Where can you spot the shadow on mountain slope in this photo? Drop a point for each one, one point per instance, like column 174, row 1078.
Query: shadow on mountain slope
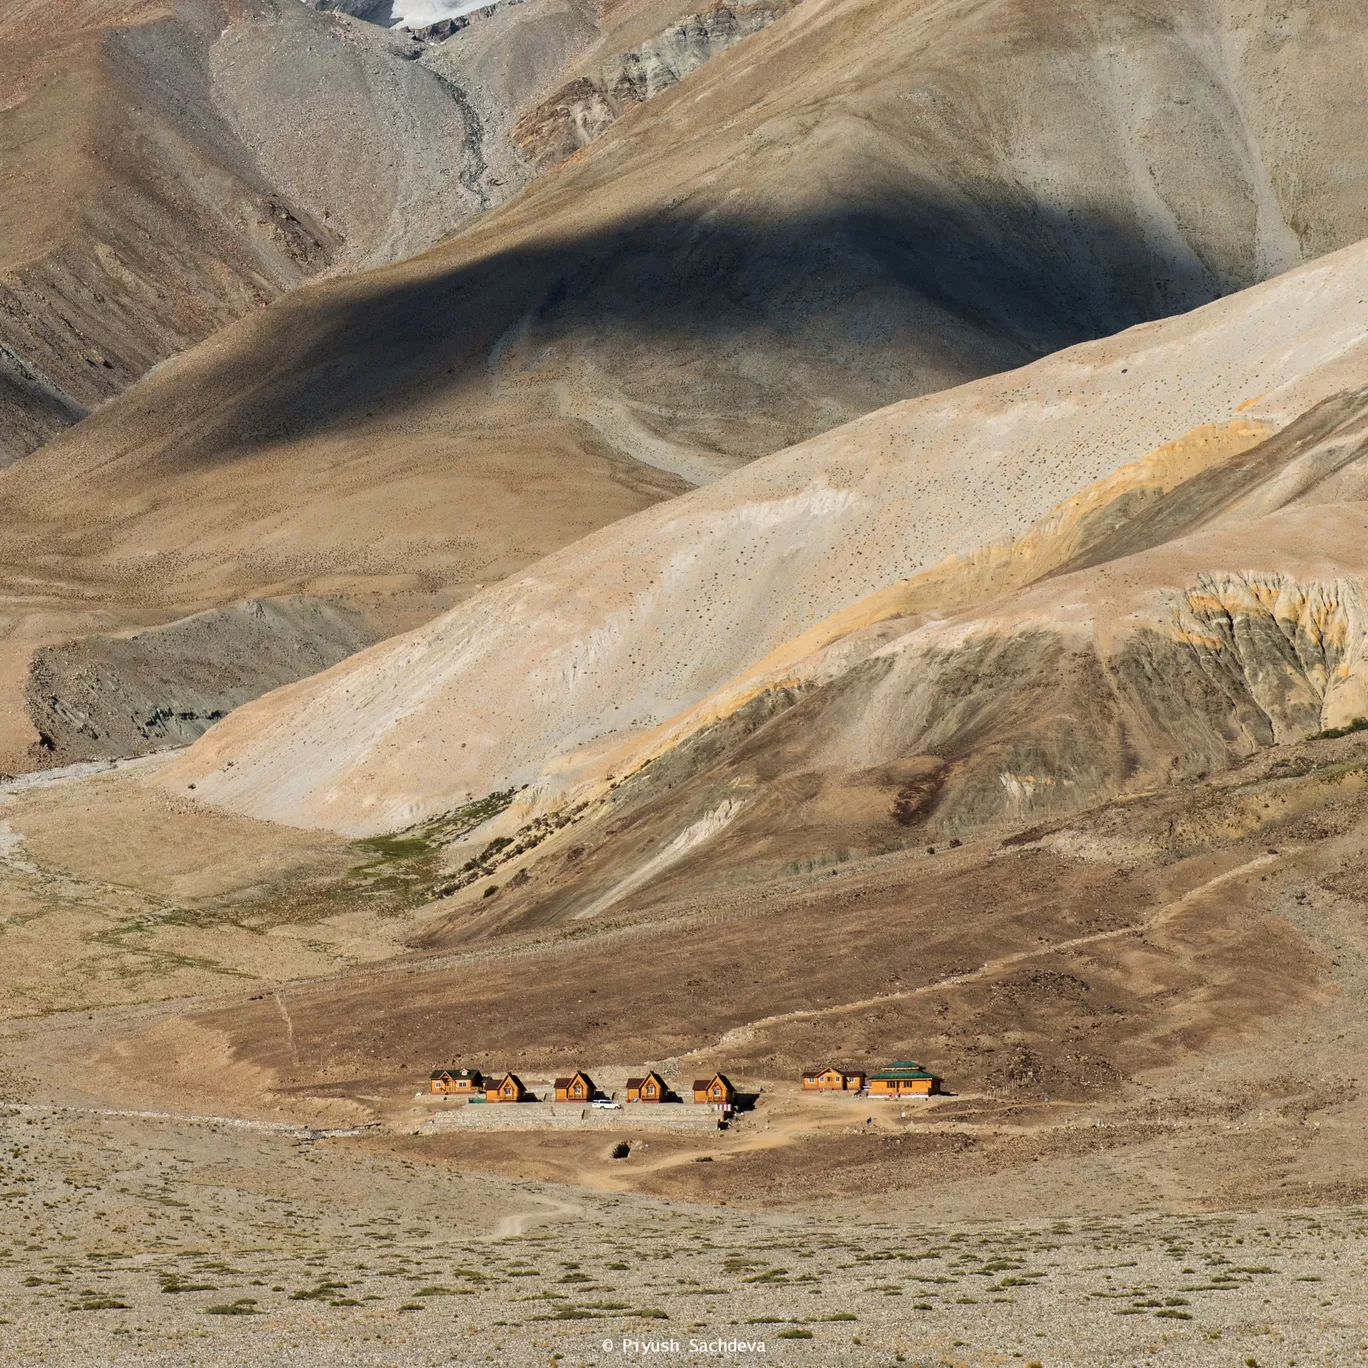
column 836, row 314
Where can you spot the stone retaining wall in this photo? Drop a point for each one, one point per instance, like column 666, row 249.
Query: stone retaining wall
column 562, row 1116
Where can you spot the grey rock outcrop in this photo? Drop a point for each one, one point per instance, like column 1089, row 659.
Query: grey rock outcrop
column 109, row 697
column 375, row 11
column 583, row 108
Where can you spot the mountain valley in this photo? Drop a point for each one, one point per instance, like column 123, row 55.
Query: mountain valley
column 623, row 536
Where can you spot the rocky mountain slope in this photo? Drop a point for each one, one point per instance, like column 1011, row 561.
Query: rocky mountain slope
column 177, row 166
column 858, row 204
column 583, row 108
column 856, row 562
column 854, row 205
column 172, row 167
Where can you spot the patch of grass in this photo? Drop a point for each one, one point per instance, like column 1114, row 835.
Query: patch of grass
column 395, row 847
column 244, row 1306
column 173, row 1282
column 1333, row 733
column 100, row 1304
column 794, row 1334
column 770, row 1275
column 325, row 1291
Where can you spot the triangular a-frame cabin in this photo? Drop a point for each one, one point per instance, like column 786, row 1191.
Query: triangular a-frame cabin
column 651, row 1088
column 716, row 1091
column 579, row 1087
column 509, row 1088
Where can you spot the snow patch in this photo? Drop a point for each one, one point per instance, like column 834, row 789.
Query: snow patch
column 415, row 14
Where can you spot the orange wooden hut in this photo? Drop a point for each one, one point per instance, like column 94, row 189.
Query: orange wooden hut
column 579, row 1087
column 716, row 1091
column 509, row 1088
column 903, row 1078
column 651, row 1088
column 831, row 1078
column 460, row 1082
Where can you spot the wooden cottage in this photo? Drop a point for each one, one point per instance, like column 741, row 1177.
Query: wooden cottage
column 903, row 1078
column 830, row 1078
column 509, row 1088
column 716, row 1091
column 652, row 1088
column 461, row 1082
column 579, row 1087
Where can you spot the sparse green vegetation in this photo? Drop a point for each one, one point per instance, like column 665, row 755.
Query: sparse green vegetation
column 173, row 1282
column 1334, row 733
column 322, row 1292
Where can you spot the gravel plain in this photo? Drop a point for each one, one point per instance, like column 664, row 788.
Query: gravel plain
column 161, row 1241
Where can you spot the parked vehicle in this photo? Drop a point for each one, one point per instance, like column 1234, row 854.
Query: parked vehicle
column 606, row 1104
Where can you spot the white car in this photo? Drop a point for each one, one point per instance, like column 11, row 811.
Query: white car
column 605, row 1104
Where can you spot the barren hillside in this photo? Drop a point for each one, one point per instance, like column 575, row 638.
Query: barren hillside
column 173, row 166
column 860, row 203
column 621, row 647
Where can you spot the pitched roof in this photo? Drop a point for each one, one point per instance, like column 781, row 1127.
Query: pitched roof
column 832, row 1068
column 901, row 1069
column 567, row 1081
column 457, row 1073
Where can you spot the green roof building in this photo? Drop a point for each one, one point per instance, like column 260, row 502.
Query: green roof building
column 903, row 1078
